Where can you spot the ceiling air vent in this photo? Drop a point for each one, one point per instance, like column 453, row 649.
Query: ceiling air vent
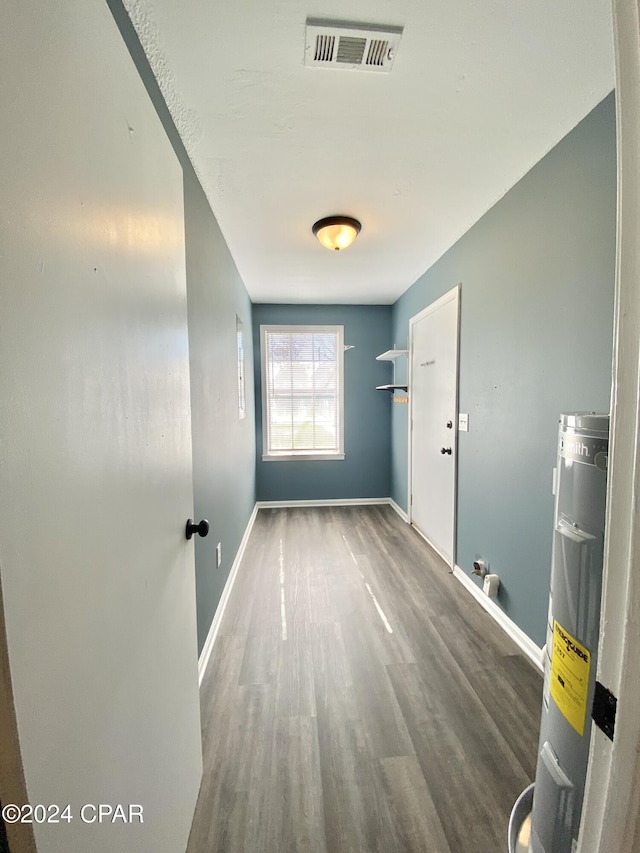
column 355, row 47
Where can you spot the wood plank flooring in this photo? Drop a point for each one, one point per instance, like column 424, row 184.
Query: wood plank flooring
column 324, row 732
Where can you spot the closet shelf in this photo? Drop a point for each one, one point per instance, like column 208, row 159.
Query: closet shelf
column 392, row 354
column 392, row 388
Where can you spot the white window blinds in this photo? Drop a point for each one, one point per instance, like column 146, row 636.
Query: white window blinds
column 302, row 391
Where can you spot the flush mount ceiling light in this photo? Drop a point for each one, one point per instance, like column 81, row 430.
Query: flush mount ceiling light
column 336, row 232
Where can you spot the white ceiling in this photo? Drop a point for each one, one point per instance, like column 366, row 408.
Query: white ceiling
column 480, row 90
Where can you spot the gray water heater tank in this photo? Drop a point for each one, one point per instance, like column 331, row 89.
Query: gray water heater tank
column 572, row 632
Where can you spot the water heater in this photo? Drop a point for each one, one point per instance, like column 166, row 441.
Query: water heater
column 572, row 637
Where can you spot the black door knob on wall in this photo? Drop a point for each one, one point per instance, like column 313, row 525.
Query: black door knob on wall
column 444, row 450
column 201, row 529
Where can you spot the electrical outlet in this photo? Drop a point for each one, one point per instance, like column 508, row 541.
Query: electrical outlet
column 480, row 568
column 218, row 555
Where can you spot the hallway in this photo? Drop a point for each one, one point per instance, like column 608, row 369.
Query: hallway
column 358, row 699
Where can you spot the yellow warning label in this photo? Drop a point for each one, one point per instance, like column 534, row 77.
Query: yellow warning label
column 570, row 664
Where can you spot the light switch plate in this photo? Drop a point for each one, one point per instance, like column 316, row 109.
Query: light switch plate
column 463, row 423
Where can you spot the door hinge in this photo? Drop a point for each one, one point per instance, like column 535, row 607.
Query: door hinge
column 604, row 709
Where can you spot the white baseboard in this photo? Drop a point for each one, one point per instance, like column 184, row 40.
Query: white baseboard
column 224, row 599
column 522, row 640
column 403, row 515
column 329, row 502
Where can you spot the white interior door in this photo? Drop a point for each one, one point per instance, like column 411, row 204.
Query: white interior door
column 97, row 577
column 433, row 422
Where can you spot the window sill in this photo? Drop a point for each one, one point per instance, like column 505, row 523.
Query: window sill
column 302, row 457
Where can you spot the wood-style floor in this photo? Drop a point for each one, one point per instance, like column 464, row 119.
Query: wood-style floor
column 325, row 732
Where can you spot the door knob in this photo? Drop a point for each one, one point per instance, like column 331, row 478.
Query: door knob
column 449, row 424
column 446, row 450
column 201, row 529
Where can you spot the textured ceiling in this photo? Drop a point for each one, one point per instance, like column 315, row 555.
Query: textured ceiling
column 479, row 92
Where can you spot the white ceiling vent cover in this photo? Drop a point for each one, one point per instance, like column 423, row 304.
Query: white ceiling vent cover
column 353, row 47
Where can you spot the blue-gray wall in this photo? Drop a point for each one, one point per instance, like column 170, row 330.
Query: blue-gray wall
column 223, row 445
column 537, row 274
column 365, row 470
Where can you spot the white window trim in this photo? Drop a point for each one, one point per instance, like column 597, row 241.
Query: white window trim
column 302, row 456
column 242, row 381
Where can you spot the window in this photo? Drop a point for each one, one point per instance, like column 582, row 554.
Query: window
column 302, row 392
column 242, row 400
